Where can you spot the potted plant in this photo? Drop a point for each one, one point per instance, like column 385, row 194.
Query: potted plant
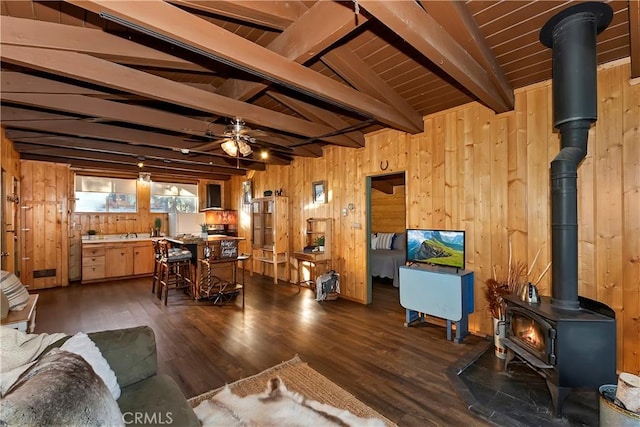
column 320, row 243
column 92, row 234
column 203, row 229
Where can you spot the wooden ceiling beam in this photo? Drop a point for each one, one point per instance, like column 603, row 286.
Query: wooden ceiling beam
column 118, row 158
column 354, row 70
column 14, row 82
column 105, row 73
column 423, row 32
column 456, row 19
column 320, row 27
column 109, row 166
column 228, row 165
column 271, row 14
column 49, row 35
column 634, row 37
column 164, row 20
column 318, row 114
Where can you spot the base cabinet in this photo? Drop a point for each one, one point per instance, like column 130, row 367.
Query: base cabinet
column 105, row 261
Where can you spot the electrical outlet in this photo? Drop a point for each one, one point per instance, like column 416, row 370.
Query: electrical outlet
column 356, row 225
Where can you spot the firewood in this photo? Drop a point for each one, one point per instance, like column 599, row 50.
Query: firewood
column 628, row 391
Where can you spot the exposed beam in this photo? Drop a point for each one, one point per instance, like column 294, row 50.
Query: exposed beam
column 354, row 70
column 423, row 32
column 124, row 159
column 131, row 150
column 271, row 14
column 314, row 31
column 634, row 37
column 105, row 73
column 109, row 166
column 457, row 20
column 31, row 32
column 11, row 81
column 164, row 20
column 319, row 115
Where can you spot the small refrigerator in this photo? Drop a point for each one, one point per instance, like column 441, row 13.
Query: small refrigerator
column 186, row 223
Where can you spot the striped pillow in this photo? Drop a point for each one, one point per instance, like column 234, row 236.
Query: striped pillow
column 384, row 240
column 14, row 290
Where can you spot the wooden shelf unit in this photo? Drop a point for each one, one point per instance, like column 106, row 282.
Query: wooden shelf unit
column 270, row 233
column 315, row 227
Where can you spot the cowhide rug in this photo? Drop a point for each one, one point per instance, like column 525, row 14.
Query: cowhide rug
column 276, row 406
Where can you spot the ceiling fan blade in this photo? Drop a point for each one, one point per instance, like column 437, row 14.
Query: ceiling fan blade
column 209, row 145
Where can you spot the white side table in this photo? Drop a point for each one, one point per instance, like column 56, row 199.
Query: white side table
column 24, row 318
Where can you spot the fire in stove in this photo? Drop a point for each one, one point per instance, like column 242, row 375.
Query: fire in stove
column 529, row 332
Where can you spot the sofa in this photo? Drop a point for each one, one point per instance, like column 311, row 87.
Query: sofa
column 146, row 397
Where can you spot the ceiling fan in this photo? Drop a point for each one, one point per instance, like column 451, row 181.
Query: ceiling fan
column 236, row 140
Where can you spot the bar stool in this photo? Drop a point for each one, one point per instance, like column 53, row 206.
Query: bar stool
column 156, row 268
column 175, row 269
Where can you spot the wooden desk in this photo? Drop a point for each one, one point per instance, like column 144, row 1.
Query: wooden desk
column 315, row 259
column 24, row 318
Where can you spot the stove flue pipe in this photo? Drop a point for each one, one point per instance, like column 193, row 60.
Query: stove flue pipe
column 572, row 36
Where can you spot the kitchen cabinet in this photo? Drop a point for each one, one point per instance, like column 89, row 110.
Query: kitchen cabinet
column 116, row 260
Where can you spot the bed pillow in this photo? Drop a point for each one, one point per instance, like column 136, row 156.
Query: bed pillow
column 400, row 241
column 82, row 345
column 14, row 290
column 374, row 241
column 384, row 240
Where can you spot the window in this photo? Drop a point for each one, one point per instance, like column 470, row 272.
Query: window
column 99, row 194
column 169, row 197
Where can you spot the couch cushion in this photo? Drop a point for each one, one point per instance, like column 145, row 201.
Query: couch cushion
column 156, row 401
column 61, row 389
column 14, row 290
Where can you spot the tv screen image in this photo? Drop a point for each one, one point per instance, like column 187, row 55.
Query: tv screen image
column 439, row 247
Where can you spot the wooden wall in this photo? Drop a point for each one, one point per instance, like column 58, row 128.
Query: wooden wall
column 10, row 166
column 388, row 211
column 489, row 175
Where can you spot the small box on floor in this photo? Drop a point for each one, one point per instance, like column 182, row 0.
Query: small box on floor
column 328, row 286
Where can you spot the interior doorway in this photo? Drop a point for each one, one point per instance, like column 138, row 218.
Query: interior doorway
column 386, row 229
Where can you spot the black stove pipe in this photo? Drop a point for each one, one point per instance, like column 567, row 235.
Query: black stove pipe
column 572, row 36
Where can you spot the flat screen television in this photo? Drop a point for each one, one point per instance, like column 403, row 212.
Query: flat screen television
column 437, row 247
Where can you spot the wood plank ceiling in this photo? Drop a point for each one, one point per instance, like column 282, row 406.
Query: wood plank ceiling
column 103, row 84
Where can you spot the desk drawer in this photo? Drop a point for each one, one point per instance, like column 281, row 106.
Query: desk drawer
column 92, row 252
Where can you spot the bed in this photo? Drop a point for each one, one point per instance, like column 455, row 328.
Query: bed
column 386, row 262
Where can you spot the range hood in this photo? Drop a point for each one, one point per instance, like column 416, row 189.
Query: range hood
column 213, row 197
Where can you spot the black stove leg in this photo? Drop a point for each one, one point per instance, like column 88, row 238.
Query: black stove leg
column 558, row 395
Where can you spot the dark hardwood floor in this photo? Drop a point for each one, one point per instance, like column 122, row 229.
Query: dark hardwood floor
column 399, row 371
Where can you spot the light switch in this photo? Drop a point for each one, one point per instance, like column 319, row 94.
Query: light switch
column 344, row 212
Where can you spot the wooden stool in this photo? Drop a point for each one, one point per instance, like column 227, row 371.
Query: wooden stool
column 175, row 269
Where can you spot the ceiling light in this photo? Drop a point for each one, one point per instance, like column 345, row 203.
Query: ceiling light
column 184, row 150
column 245, row 149
column 144, row 177
column 140, row 164
column 264, row 154
column 230, row 147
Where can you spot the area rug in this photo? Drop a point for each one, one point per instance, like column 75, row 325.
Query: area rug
column 299, row 377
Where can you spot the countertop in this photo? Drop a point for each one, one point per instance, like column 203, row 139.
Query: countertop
column 145, row 237
column 190, row 239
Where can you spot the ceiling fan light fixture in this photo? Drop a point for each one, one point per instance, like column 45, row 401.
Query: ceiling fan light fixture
column 230, row 148
column 245, row 149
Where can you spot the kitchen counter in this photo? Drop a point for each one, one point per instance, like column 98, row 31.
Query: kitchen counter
column 191, row 239
column 142, row 237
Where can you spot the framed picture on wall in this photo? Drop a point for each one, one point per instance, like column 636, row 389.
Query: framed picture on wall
column 247, row 192
column 319, row 192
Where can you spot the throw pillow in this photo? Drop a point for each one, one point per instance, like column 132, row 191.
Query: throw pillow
column 82, row 345
column 374, row 241
column 400, row 241
column 14, row 290
column 384, row 240
column 61, row 389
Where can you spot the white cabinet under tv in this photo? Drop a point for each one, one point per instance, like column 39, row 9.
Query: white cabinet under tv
column 438, row 291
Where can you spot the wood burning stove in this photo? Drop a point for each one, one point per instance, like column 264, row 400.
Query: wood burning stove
column 571, row 349
column 570, row 340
